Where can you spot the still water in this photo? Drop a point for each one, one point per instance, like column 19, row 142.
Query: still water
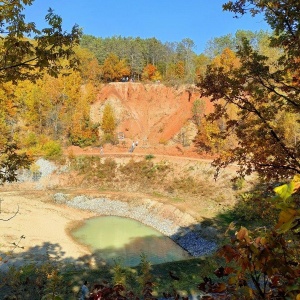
column 124, row 240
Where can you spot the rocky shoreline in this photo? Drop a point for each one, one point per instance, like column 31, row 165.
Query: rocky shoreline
column 168, row 220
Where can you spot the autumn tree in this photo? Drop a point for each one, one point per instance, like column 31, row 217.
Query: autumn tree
column 260, row 92
column 82, row 132
column 108, row 124
column 198, row 111
column 150, row 72
column 113, row 68
column 20, row 55
column 201, row 61
column 36, row 105
column 180, row 69
column 227, row 60
column 21, row 58
column 89, row 66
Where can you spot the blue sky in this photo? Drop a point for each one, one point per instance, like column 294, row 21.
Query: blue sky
column 166, row 20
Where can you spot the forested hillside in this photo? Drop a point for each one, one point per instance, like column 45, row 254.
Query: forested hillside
column 54, row 112
column 239, row 102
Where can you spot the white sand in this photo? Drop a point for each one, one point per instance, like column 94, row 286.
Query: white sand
column 44, row 224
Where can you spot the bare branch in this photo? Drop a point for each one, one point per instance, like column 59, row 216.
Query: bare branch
column 11, row 216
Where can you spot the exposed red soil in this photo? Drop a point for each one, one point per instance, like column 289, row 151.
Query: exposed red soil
column 152, row 114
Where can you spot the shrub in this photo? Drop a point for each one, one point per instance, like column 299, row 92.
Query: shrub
column 149, row 156
column 109, row 138
column 83, row 141
column 52, row 149
column 238, row 183
column 30, row 140
column 93, row 169
column 145, row 169
column 251, row 209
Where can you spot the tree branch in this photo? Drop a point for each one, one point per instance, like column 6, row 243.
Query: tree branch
column 272, row 89
column 18, row 65
column 11, row 216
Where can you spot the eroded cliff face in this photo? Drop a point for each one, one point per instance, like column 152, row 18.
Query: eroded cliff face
column 150, row 113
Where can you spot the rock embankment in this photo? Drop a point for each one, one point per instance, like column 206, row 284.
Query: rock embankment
column 179, row 226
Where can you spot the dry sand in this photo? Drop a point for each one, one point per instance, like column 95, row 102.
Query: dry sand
column 44, row 224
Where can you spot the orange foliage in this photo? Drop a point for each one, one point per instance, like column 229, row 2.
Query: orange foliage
column 113, row 68
column 149, row 72
column 227, row 60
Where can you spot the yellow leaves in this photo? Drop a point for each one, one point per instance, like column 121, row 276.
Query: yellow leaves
column 157, row 76
column 289, row 215
column 114, row 68
column 227, row 60
column 296, row 181
column 108, row 124
column 287, row 219
column 232, row 280
column 89, row 66
column 286, row 190
column 263, row 241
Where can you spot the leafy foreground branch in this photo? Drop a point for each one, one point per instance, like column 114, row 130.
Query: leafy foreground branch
column 263, row 264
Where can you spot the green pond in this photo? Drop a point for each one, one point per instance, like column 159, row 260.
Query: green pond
column 124, row 240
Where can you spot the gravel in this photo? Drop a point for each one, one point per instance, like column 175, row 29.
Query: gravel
column 188, row 239
column 43, row 168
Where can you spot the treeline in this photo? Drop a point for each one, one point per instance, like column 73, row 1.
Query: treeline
column 150, row 59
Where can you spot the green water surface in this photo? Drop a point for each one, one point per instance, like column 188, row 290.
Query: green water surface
column 124, row 240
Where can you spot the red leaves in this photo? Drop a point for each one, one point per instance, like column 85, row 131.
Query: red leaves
column 210, row 287
column 229, row 253
column 221, row 271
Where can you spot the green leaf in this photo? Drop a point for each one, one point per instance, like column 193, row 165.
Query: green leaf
column 285, row 191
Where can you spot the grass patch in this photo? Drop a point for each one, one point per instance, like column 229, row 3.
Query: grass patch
column 253, row 209
column 149, row 156
column 157, row 195
column 177, row 199
column 190, row 273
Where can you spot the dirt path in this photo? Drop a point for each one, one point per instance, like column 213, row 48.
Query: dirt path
column 174, row 152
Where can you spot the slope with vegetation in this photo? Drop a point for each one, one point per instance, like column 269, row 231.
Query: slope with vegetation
column 253, row 81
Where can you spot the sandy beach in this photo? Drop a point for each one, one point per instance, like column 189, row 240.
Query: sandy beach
column 44, row 224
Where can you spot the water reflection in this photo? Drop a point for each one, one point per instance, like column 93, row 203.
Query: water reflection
column 116, row 237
